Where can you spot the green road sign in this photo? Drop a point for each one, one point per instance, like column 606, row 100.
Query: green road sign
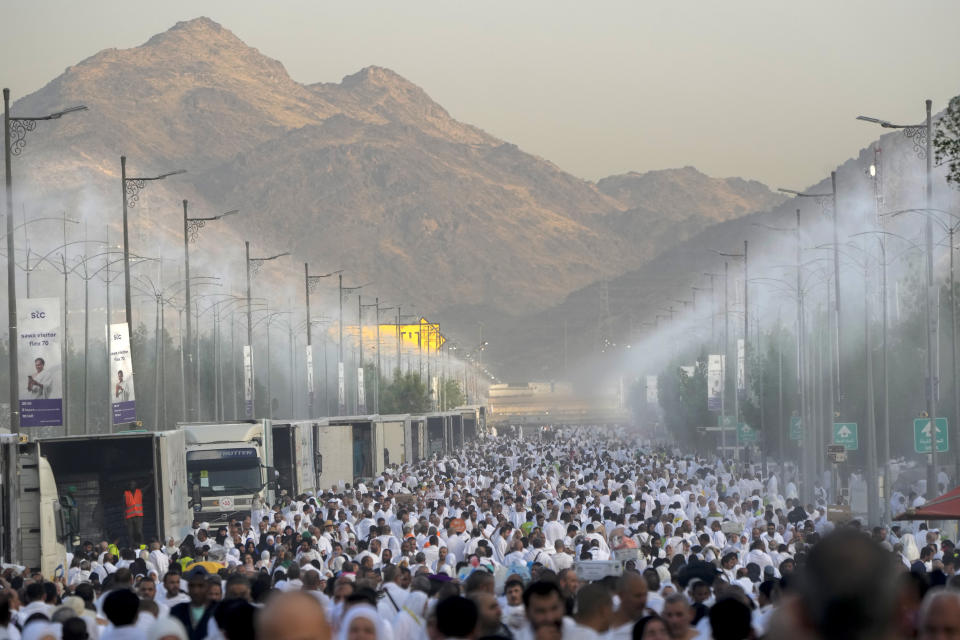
column 921, row 435
column 845, row 433
column 746, row 435
column 796, row 428
column 727, row 422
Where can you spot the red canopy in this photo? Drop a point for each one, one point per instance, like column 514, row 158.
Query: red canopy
column 945, row 507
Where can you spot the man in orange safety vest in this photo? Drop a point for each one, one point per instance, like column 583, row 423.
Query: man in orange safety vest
column 133, row 514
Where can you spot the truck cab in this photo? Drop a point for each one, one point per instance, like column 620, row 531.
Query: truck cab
column 228, row 466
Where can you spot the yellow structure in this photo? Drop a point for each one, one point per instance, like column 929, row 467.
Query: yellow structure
column 422, row 335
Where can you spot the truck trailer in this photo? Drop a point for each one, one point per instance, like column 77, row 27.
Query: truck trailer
column 436, row 443
column 414, row 437
column 295, row 456
column 395, row 428
column 72, row 491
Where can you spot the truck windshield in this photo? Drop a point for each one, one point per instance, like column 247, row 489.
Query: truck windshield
column 225, row 477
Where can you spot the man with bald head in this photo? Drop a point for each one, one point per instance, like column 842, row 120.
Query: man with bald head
column 940, row 615
column 294, row 615
column 632, row 591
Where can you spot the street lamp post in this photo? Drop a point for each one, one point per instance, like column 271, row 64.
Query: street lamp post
column 376, row 383
column 191, row 231
column 268, row 319
column 87, row 275
column 341, row 380
column 15, row 130
column 310, row 284
column 254, row 264
column 131, row 188
column 922, row 136
column 823, row 199
column 361, row 387
column 379, row 373
column 746, row 325
column 14, row 140
column 882, row 242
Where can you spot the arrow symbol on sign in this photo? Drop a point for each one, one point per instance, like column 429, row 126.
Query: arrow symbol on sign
column 844, row 432
column 926, row 430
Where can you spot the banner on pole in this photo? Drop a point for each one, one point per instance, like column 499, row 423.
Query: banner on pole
column 248, row 381
column 41, row 384
column 122, row 395
column 309, row 368
column 741, row 366
column 341, row 390
column 652, row 397
column 714, row 381
column 361, row 393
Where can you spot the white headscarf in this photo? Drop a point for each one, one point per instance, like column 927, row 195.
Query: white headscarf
column 40, row 630
column 362, row 611
column 166, row 626
column 910, row 550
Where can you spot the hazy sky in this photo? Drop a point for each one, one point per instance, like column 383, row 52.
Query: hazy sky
column 761, row 89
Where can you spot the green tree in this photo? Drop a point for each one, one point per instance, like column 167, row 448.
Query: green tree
column 405, row 393
column 684, row 401
column 453, row 394
column 946, row 141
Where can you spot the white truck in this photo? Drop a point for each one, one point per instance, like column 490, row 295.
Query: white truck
column 474, row 421
column 71, row 491
column 414, row 439
column 395, row 428
column 228, row 464
column 349, row 448
column 295, row 457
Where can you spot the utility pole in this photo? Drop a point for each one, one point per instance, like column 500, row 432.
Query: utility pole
column 376, row 396
column 746, row 334
column 399, row 357
column 16, row 128
column 191, row 231
column 726, row 355
column 806, row 421
column 256, row 264
column 932, row 489
column 922, row 134
column 309, row 284
column 341, row 389
column 309, row 352
column 836, row 296
column 361, row 391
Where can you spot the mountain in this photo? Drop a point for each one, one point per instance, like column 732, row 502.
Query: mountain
column 686, row 192
column 369, row 175
column 624, row 309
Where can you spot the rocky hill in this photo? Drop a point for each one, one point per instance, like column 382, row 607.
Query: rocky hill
column 368, row 174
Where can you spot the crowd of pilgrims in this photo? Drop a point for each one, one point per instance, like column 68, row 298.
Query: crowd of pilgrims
column 594, row 534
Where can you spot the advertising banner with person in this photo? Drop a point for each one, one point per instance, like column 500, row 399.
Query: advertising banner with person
column 714, row 381
column 122, row 396
column 248, row 381
column 310, row 369
column 741, row 366
column 361, row 393
column 652, row 397
column 39, row 358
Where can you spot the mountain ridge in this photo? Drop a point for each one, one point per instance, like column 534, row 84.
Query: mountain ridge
column 368, row 174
